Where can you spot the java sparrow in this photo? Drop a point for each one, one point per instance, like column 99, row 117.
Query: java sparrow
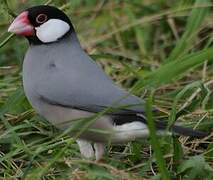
column 63, row 84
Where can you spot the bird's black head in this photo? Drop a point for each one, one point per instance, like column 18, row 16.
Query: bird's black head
column 42, row 24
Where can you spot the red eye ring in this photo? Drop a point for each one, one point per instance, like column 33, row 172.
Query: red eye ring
column 41, row 18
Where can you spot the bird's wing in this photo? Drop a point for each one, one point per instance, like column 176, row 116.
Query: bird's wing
column 83, row 85
column 113, row 99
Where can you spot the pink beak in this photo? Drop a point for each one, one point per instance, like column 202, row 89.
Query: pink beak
column 21, row 25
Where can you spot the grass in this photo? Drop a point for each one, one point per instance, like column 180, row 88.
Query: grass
column 159, row 50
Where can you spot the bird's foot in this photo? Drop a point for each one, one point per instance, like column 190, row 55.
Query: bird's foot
column 86, row 149
column 89, row 152
column 99, row 151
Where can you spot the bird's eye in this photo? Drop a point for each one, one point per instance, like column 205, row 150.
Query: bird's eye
column 41, row 18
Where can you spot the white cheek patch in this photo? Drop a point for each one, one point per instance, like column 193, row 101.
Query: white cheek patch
column 52, row 30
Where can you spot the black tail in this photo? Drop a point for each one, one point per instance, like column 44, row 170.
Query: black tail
column 182, row 130
column 189, row 132
column 160, row 125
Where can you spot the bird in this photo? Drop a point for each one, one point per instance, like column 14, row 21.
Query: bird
column 65, row 85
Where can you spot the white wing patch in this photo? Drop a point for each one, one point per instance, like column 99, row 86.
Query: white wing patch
column 52, row 30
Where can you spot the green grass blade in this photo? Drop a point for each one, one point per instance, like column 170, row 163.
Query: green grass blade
column 174, row 69
column 154, row 139
column 194, row 21
column 172, row 117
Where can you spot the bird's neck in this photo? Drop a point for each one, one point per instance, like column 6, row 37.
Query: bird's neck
column 58, row 50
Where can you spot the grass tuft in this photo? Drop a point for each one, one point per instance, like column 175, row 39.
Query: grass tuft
column 163, row 47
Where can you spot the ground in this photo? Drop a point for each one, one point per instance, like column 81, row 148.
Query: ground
column 160, row 50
